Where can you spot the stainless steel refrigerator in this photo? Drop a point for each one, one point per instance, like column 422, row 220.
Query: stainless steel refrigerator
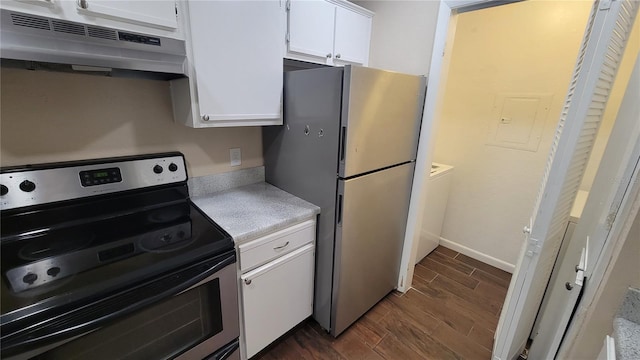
column 348, row 145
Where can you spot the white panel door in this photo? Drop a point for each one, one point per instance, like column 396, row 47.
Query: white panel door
column 311, row 24
column 276, row 297
column 157, row 13
column 606, row 33
column 352, row 36
column 237, row 62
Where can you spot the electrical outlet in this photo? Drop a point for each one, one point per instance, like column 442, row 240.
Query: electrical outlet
column 236, row 157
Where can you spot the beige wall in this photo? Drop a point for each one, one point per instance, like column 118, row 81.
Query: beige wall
column 50, row 116
column 611, row 112
column 625, row 274
column 402, row 34
column 526, row 47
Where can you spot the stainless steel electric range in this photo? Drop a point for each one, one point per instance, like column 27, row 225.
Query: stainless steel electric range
column 109, row 259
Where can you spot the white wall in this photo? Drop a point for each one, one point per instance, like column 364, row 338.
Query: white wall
column 402, row 34
column 524, row 47
column 49, row 116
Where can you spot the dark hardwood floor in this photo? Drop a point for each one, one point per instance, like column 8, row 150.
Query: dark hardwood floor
column 451, row 312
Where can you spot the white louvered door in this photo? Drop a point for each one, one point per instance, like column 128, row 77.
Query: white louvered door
column 596, row 66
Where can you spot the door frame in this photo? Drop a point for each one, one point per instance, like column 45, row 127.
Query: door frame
column 438, row 71
column 445, row 30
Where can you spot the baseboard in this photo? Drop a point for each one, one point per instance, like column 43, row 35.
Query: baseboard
column 487, row 259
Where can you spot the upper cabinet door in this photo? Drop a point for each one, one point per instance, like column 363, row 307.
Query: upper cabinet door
column 159, row 14
column 352, row 36
column 311, row 27
column 236, row 63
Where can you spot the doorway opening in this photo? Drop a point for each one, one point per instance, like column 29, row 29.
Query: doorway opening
column 498, row 123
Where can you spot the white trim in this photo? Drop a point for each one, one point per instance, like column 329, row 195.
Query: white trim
column 480, row 256
column 445, row 29
column 353, row 7
column 458, row 4
column 240, row 117
column 425, row 149
column 237, row 122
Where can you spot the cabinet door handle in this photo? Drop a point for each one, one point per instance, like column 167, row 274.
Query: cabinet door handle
column 83, row 4
column 328, row 55
column 281, row 246
column 206, row 117
column 337, row 56
column 247, row 281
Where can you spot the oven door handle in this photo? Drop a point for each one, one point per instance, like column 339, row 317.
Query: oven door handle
column 78, row 319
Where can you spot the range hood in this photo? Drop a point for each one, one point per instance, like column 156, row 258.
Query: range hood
column 42, row 39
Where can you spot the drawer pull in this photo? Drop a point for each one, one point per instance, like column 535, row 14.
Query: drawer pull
column 281, row 246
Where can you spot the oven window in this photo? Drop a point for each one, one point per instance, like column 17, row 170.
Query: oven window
column 161, row 331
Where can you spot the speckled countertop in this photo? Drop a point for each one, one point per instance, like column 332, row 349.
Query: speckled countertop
column 626, row 327
column 251, row 211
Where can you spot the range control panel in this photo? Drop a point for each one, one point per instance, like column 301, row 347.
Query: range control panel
column 45, row 183
column 100, row 176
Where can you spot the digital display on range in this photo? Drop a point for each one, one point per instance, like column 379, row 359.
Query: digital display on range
column 100, row 177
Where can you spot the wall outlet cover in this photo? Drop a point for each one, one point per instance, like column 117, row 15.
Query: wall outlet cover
column 235, row 156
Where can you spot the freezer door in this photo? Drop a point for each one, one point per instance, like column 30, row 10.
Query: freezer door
column 370, row 225
column 381, row 116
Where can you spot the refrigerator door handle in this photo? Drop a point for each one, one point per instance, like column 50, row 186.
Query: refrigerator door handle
column 340, row 210
column 343, row 143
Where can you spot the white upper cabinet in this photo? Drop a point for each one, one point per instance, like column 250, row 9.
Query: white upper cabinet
column 311, row 28
column 234, row 51
column 331, row 32
column 352, row 38
column 160, row 13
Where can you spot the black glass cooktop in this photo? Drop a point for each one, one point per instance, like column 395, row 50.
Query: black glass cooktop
column 52, row 256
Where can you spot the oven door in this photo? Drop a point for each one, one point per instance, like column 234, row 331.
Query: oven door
column 191, row 317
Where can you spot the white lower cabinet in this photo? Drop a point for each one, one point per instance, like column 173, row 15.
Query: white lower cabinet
column 278, row 295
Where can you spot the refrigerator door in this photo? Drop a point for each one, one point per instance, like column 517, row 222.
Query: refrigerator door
column 301, row 158
column 381, row 116
column 370, row 224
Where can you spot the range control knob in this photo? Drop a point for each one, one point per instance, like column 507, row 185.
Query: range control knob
column 27, row 186
column 173, row 167
column 3, row 190
column 30, row 278
column 157, row 169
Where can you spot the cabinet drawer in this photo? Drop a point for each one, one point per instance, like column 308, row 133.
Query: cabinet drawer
column 265, row 249
column 276, row 297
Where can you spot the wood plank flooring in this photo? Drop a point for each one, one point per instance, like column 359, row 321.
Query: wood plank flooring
column 451, row 312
